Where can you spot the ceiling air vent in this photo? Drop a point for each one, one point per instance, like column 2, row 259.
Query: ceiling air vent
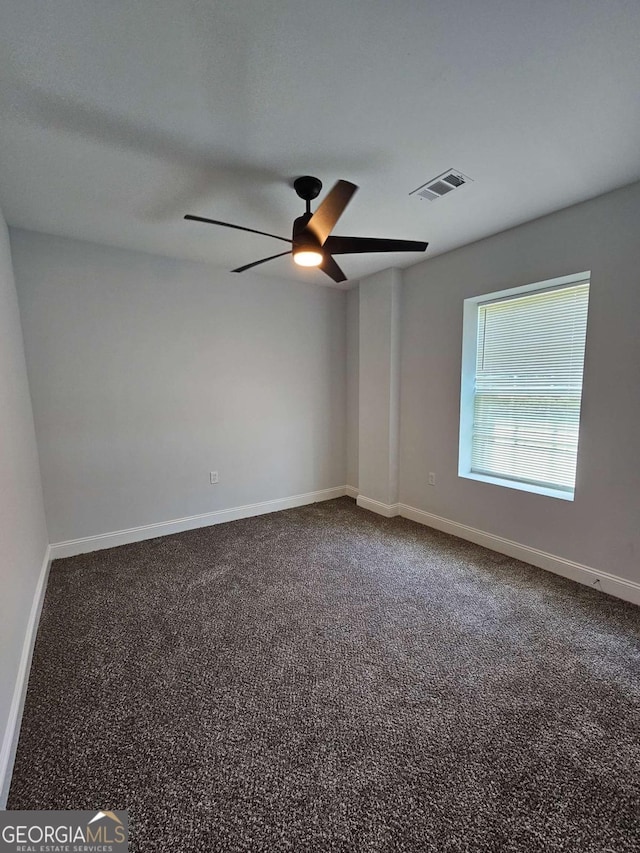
column 443, row 184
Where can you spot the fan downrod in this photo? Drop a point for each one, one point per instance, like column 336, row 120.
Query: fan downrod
column 307, row 187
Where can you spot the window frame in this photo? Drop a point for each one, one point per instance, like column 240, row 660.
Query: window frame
column 468, row 380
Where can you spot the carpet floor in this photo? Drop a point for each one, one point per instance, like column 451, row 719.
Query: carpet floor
column 323, row 679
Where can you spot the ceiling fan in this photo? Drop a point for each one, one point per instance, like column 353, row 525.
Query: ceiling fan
column 312, row 244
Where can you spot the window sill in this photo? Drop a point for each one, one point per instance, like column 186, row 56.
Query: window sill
column 516, row 484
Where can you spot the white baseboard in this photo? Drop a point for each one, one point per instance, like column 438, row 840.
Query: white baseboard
column 387, row 510
column 351, row 491
column 177, row 525
column 12, row 731
column 603, row 581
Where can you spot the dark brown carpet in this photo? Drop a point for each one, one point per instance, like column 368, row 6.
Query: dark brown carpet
column 323, row 679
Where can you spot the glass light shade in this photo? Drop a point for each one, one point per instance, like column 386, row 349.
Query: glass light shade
column 307, row 258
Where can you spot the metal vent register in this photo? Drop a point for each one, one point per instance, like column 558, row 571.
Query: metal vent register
column 441, row 185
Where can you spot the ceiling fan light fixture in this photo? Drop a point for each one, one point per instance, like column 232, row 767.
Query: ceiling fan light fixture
column 312, row 242
column 307, row 257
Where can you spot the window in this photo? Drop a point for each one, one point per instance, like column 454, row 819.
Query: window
column 522, row 364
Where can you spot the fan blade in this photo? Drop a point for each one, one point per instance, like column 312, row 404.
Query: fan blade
column 331, row 268
column 353, row 245
column 330, row 210
column 237, row 227
column 263, row 261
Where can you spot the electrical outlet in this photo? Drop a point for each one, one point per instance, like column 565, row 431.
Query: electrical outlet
column 432, row 478
column 213, row 477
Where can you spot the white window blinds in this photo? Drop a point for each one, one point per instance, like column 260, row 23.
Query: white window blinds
column 528, row 387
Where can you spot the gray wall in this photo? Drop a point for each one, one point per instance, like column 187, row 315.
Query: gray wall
column 379, row 368
column 601, row 528
column 23, row 534
column 146, row 373
column 353, row 373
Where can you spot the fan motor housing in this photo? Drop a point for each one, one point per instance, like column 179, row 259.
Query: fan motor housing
column 301, row 235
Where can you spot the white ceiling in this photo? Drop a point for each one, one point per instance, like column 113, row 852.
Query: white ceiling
column 117, row 118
